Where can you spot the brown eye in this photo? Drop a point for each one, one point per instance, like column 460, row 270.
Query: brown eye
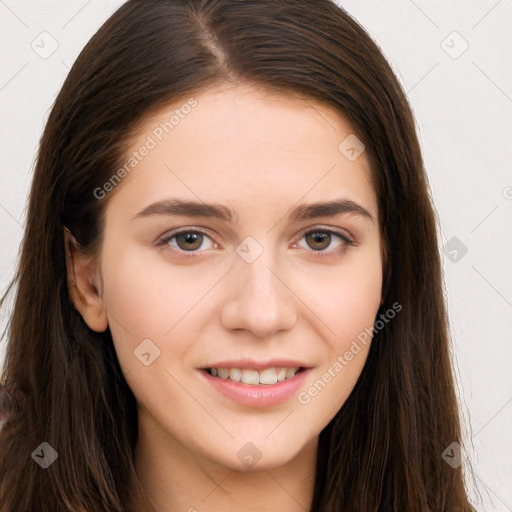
column 189, row 241
column 318, row 240
column 326, row 243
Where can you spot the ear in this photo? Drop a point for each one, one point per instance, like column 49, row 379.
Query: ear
column 84, row 284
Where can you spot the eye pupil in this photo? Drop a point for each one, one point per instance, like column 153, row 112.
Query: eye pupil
column 192, row 241
column 319, row 238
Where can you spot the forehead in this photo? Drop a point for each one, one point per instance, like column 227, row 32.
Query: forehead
column 236, row 142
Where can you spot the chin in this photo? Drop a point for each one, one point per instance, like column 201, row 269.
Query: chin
column 260, row 454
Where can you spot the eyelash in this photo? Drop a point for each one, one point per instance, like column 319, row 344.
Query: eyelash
column 164, row 240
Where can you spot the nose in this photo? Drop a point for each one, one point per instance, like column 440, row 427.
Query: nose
column 258, row 300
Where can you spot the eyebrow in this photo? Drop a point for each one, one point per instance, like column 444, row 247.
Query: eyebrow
column 221, row 212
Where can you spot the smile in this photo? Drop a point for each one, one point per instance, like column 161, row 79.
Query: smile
column 257, row 388
column 267, row 376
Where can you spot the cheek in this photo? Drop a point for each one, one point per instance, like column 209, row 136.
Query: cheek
column 359, row 301
column 138, row 300
column 346, row 300
column 146, row 294
column 146, row 297
column 345, row 297
column 359, row 296
column 136, row 296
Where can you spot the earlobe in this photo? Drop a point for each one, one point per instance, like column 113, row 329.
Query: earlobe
column 84, row 284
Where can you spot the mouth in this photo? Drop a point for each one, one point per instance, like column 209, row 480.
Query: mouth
column 253, row 377
column 257, row 385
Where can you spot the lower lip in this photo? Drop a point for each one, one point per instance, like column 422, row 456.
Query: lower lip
column 262, row 395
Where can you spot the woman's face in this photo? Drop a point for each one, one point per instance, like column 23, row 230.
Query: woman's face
column 257, row 279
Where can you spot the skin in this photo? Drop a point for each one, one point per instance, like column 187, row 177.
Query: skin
column 261, row 155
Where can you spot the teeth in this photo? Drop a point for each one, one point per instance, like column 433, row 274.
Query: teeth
column 235, row 374
column 223, row 373
column 268, row 376
column 290, row 372
column 250, row 377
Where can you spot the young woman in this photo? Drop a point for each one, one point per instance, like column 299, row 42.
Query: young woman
column 229, row 295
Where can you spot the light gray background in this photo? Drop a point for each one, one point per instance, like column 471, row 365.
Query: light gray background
column 463, row 106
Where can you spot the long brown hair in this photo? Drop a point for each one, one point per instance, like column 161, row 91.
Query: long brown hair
column 383, row 449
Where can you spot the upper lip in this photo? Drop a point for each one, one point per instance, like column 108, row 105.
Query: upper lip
column 250, row 364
